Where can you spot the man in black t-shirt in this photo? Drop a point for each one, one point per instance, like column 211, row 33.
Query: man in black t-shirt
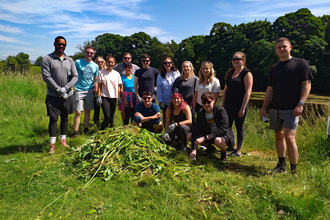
column 289, row 85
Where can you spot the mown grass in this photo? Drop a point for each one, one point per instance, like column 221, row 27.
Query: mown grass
column 37, row 186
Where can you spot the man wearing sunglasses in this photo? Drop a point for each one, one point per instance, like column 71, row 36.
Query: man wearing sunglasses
column 84, row 89
column 211, row 127
column 145, row 78
column 147, row 114
column 60, row 74
column 127, row 58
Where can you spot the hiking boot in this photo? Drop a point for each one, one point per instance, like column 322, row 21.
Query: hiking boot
column 279, row 168
column 293, row 168
column 63, row 142
column 75, row 134
column 223, row 156
column 86, row 131
column 51, row 149
column 235, row 154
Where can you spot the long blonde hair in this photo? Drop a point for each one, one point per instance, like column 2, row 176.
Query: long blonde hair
column 209, row 65
column 191, row 72
column 104, row 63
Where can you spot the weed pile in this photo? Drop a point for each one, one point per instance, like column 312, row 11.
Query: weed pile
column 126, row 149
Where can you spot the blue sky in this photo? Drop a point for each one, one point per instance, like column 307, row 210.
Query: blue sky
column 30, row 26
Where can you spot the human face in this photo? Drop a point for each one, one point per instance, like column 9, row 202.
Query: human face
column 128, row 70
column 206, row 71
column 89, row 54
column 168, row 65
column 237, row 60
column 176, row 100
column 186, row 68
column 111, row 62
column 147, row 99
column 208, row 105
column 283, row 50
column 127, row 59
column 100, row 63
column 145, row 63
column 60, row 47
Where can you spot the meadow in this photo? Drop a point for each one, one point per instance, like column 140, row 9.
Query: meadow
column 34, row 185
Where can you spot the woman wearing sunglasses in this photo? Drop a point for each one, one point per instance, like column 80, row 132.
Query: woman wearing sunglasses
column 165, row 81
column 96, row 118
column 178, row 122
column 207, row 82
column 236, row 95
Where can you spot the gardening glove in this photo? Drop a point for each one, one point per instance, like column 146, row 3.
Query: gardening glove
column 119, row 101
column 99, row 101
column 61, row 91
column 65, row 96
column 176, row 90
column 166, row 137
column 171, row 127
column 139, row 99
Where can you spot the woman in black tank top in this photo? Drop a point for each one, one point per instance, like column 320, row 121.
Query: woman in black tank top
column 178, row 122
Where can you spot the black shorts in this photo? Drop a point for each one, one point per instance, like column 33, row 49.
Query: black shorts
column 56, row 105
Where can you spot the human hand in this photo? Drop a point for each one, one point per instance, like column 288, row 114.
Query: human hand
column 166, row 136
column 199, row 141
column 139, row 99
column 99, row 101
column 297, row 110
column 241, row 113
column 263, row 113
column 119, row 101
column 157, row 115
column 61, row 91
column 192, row 155
column 171, row 127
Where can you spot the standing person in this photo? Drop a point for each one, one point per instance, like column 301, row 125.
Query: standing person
column 289, row 85
column 207, row 82
column 236, row 95
column 211, row 127
column 129, row 96
column 179, row 113
column 145, row 78
column 120, row 68
column 165, row 80
column 110, row 86
column 60, row 74
column 147, row 114
column 84, row 89
column 185, row 84
column 101, row 64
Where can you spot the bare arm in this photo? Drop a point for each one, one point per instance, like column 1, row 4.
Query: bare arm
column 145, row 119
column 136, row 85
column 305, row 90
column 248, row 82
column 120, row 90
column 195, row 100
column 188, row 120
column 224, row 96
column 268, row 98
column 216, row 96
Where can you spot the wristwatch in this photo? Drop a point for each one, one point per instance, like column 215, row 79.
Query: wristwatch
column 302, row 102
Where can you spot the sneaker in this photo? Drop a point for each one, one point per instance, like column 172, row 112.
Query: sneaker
column 184, row 149
column 75, row 134
column 63, row 142
column 231, row 149
column 293, row 168
column 51, row 149
column 279, row 168
column 223, row 156
column 235, row 154
column 86, row 131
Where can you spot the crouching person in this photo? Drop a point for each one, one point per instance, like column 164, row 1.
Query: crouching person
column 179, row 113
column 147, row 114
column 211, row 127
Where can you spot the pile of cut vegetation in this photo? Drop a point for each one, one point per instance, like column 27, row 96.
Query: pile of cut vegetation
column 126, row 149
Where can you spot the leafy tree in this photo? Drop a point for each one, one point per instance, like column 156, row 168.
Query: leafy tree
column 11, row 64
column 38, row 61
column 107, row 44
column 23, row 61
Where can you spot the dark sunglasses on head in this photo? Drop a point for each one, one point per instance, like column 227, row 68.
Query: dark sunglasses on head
column 167, row 63
column 127, row 58
column 145, row 61
column 236, row 59
column 207, row 102
column 145, row 98
column 60, row 44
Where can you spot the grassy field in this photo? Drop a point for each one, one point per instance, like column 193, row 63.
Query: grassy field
column 37, row 186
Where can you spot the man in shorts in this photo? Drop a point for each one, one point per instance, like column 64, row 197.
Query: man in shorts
column 85, row 89
column 289, row 85
column 211, row 127
column 60, row 74
column 147, row 114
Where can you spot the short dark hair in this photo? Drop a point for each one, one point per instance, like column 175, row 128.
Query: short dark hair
column 144, row 56
column 89, row 47
column 127, row 64
column 59, row 37
column 147, row 93
column 207, row 96
column 281, row 39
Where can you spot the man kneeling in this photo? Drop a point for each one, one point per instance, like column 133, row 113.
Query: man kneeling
column 211, row 127
column 147, row 114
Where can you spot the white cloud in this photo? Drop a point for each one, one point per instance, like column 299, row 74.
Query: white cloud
column 11, row 40
column 10, row 29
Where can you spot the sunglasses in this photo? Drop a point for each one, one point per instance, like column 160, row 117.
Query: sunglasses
column 167, row 63
column 236, row 59
column 89, row 52
column 207, row 62
column 145, row 61
column 60, row 44
column 207, row 102
column 145, row 98
column 127, row 58
column 128, row 67
column 100, row 61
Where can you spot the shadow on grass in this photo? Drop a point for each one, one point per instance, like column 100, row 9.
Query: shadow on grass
column 30, row 148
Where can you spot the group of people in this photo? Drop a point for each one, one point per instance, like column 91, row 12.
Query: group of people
column 180, row 96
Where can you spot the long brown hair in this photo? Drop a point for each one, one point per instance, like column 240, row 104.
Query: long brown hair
column 163, row 70
column 231, row 71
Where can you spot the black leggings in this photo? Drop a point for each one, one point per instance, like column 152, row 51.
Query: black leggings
column 108, row 108
column 52, row 127
column 232, row 112
column 96, row 112
column 129, row 114
column 180, row 133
